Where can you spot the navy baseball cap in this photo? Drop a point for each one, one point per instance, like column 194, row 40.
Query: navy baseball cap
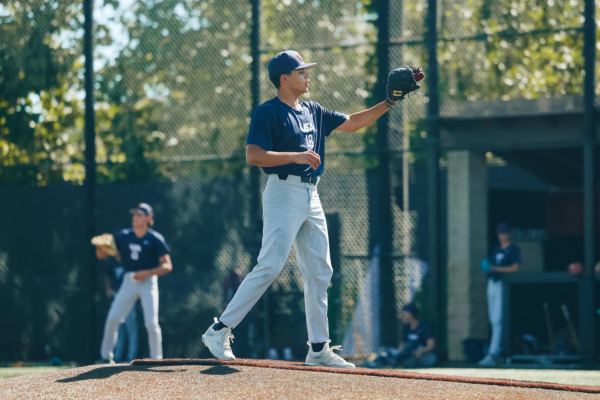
column 143, row 208
column 411, row 308
column 287, row 61
column 503, row 227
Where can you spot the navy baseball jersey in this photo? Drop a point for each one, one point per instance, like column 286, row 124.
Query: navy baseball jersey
column 504, row 258
column 115, row 273
column 418, row 337
column 140, row 253
column 278, row 127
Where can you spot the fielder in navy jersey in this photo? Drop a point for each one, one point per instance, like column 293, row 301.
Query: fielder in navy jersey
column 287, row 139
column 504, row 259
column 144, row 255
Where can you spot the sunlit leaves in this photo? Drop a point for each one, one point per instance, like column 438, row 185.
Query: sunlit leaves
column 513, row 50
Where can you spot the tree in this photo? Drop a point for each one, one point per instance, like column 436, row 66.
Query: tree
column 40, row 115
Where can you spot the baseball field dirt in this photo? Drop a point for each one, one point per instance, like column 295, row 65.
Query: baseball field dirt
column 258, row 379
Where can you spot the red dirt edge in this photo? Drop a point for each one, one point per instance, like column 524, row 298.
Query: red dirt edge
column 388, row 373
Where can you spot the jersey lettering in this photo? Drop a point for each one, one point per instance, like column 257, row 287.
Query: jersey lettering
column 310, row 141
column 136, row 249
column 499, row 258
column 307, row 127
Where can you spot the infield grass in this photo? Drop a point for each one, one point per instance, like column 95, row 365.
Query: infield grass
column 572, row 377
column 20, row 371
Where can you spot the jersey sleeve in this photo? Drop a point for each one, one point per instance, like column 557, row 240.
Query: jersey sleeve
column 516, row 255
column 263, row 128
column 120, row 240
column 330, row 120
column 162, row 248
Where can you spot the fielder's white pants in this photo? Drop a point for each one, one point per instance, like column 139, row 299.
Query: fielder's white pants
column 130, row 291
column 292, row 215
column 494, row 297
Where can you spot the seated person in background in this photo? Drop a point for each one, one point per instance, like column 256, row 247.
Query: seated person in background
column 416, row 347
column 418, row 343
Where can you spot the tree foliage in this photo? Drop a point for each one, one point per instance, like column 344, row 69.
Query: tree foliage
column 173, row 77
column 41, row 116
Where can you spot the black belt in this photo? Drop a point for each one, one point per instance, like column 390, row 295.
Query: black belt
column 313, row 180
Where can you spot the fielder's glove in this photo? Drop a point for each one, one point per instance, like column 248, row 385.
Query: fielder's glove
column 106, row 242
column 485, row 265
column 403, row 81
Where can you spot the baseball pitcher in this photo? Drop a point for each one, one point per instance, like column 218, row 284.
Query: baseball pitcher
column 287, row 139
column 144, row 255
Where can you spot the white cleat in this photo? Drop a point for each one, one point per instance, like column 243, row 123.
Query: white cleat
column 488, row 361
column 327, row 358
column 218, row 342
column 104, row 361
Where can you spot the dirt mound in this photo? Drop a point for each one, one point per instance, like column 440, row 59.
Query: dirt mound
column 278, row 381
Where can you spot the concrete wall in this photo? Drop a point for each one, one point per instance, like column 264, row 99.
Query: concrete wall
column 467, row 246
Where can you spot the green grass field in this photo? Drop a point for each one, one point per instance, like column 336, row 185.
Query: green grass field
column 572, row 377
column 14, row 372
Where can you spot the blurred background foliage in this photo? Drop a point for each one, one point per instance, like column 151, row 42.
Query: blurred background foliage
column 173, row 77
column 511, row 49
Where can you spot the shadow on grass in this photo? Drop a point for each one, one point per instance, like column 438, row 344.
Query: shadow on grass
column 108, row 371
column 219, row 370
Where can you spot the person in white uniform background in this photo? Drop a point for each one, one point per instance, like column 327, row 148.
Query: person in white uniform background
column 128, row 332
column 287, row 139
column 144, row 255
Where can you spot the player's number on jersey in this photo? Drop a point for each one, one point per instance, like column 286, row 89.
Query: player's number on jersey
column 310, row 141
column 135, row 250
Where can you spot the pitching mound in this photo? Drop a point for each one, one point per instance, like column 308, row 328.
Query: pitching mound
column 258, row 379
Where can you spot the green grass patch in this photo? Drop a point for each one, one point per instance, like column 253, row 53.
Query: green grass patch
column 572, row 377
column 21, row 371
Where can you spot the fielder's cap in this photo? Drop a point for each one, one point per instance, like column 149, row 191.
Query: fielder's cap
column 411, row 308
column 287, row 61
column 503, row 227
column 143, row 208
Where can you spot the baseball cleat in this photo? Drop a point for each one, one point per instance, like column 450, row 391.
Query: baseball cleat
column 104, row 361
column 488, row 361
column 327, row 358
column 218, row 342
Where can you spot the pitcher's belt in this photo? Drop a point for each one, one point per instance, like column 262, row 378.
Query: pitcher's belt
column 313, row 180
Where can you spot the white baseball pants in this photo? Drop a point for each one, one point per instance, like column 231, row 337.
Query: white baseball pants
column 292, row 215
column 494, row 298
column 130, row 291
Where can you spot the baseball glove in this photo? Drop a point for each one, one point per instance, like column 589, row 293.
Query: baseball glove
column 403, row 81
column 485, row 265
column 106, row 242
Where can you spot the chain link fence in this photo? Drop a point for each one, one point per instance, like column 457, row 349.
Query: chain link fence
column 173, row 104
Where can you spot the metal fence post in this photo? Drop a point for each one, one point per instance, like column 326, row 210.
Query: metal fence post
column 433, row 155
column 90, row 164
column 587, row 317
column 255, row 202
column 384, row 215
column 335, row 298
